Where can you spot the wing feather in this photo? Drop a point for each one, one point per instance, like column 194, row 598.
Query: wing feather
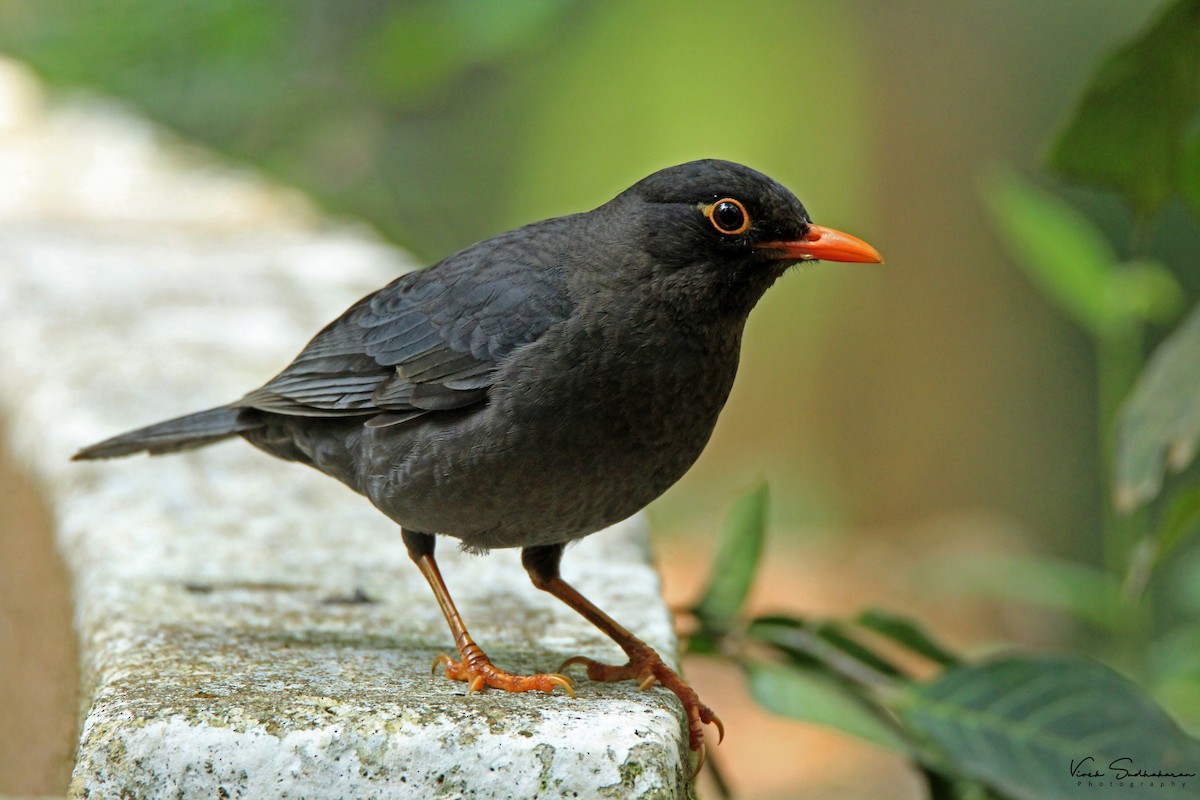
column 429, row 341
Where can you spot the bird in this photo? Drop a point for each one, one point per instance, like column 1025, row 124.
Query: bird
column 535, row 388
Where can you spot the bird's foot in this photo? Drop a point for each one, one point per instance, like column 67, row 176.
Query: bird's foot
column 479, row 673
column 647, row 668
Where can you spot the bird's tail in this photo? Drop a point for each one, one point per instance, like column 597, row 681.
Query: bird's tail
column 181, row 433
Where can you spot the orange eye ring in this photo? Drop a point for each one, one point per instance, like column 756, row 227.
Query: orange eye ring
column 728, row 216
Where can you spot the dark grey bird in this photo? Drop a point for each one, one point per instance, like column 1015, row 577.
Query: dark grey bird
column 536, row 387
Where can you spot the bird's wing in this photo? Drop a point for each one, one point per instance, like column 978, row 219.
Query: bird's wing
column 429, row 341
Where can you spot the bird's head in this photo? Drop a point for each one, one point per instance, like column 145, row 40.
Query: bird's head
column 718, row 229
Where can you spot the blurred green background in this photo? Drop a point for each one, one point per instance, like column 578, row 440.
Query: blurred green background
column 877, row 400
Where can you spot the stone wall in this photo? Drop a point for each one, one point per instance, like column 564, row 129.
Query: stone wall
column 247, row 627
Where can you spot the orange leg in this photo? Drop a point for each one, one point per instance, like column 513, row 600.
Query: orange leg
column 645, row 665
column 473, row 666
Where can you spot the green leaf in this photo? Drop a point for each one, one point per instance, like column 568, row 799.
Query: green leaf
column 836, row 636
column 739, row 548
column 948, row 787
column 1181, row 521
column 906, row 632
column 1175, row 670
column 810, row 696
column 701, row 642
column 1145, row 289
column 1160, row 424
column 790, row 638
column 1184, row 583
column 1176, row 655
column 1068, row 258
column 824, row 645
column 1084, row 592
column 1062, row 252
column 1019, row 724
column 1128, row 132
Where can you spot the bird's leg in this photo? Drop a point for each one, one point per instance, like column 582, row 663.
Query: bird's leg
column 473, row 666
column 645, row 665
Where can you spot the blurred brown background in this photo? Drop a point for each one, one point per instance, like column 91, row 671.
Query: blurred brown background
column 931, row 408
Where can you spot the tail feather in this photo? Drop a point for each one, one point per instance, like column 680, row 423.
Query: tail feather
column 181, row 433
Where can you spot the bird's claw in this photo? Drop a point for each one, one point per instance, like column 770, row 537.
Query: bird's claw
column 441, row 659
column 479, row 674
column 709, row 717
column 647, row 668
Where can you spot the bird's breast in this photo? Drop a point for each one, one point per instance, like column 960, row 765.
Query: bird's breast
column 581, row 430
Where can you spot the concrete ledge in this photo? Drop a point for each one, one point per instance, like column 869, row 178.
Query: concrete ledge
column 250, row 628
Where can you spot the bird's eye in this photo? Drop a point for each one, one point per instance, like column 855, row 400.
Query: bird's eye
column 728, row 216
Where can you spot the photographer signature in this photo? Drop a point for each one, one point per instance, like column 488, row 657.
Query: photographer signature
column 1122, row 769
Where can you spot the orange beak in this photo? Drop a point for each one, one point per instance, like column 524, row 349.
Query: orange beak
column 825, row 244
